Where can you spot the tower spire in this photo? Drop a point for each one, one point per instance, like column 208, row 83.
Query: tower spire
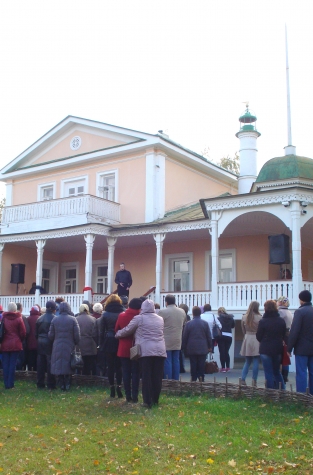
column 290, row 149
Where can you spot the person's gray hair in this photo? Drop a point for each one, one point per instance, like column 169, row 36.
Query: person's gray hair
column 98, row 307
column 12, row 307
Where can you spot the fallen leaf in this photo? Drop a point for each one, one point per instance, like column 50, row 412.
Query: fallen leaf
column 96, row 462
column 210, row 461
column 232, row 463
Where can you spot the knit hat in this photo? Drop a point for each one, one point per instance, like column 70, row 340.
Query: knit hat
column 51, row 305
column 34, row 309
column 283, row 301
column 305, row 296
column 135, row 304
column 12, row 307
column 83, row 308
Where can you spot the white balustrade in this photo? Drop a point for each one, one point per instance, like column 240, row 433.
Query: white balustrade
column 78, row 205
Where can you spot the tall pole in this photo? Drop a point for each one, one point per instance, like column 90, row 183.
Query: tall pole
column 288, row 92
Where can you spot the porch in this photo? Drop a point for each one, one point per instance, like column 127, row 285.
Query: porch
column 234, row 296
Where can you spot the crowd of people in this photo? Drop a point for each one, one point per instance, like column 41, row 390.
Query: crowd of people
column 104, row 335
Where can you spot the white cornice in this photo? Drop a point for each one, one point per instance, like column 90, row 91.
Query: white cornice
column 162, row 228
column 97, row 229
column 257, row 199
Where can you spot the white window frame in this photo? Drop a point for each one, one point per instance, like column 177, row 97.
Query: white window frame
column 100, row 175
column 95, row 265
column 208, row 270
column 54, row 273
column 73, row 180
column 66, row 266
column 45, row 185
column 168, row 259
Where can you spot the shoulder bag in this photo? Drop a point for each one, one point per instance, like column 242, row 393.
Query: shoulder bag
column 76, row 360
column 135, row 352
column 216, row 330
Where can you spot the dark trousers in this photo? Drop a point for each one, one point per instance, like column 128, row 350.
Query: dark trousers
column 9, row 359
column 122, row 290
column 197, row 363
column 101, row 364
column 89, row 364
column 43, row 367
column 224, row 343
column 21, row 361
column 152, row 373
column 32, row 360
column 114, row 368
column 130, row 370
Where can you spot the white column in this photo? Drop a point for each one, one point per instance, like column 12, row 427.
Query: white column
column 1, row 254
column 215, row 216
column 89, row 240
column 295, row 210
column 111, row 247
column 159, row 239
column 40, row 244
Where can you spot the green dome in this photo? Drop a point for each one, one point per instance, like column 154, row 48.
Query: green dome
column 286, row 167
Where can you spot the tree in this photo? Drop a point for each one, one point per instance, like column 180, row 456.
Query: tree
column 230, row 164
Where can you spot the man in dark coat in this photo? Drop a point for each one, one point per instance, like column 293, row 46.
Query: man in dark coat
column 44, row 347
column 197, row 343
column 301, row 341
column 123, row 279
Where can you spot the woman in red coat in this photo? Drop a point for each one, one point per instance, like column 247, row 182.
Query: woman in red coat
column 130, row 369
column 14, row 334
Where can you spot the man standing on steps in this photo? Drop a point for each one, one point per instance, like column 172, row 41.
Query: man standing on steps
column 174, row 320
column 123, row 279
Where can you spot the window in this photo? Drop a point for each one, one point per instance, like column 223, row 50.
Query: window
column 75, row 187
column 226, row 267
column 107, row 185
column 100, row 276
column 70, row 277
column 45, row 283
column 179, row 272
column 46, row 192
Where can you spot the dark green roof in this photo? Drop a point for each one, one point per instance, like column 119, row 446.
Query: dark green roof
column 286, row 167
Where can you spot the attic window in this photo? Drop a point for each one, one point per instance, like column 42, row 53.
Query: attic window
column 75, row 142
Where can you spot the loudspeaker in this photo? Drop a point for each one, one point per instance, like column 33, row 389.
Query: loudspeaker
column 17, row 273
column 279, row 249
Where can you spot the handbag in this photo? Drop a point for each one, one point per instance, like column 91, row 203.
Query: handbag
column 135, row 352
column 76, row 360
column 1, row 330
column 210, row 366
column 217, row 333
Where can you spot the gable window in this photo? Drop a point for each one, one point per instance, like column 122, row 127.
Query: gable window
column 75, row 187
column 107, row 185
column 179, row 272
column 46, row 192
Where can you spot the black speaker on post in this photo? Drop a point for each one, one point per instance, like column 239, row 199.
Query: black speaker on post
column 17, row 273
column 279, row 249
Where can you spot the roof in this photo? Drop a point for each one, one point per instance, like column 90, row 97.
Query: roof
column 286, row 167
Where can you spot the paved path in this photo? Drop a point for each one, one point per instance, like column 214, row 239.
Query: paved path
column 234, row 374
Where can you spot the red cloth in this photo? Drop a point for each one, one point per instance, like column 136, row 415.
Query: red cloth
column 14, row 332
column 31, row 339
column 285, row 360
column 122, row 321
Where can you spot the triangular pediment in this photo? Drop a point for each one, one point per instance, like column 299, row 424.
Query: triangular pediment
column 74, row 137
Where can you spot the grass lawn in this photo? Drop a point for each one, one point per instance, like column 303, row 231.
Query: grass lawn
column 85, row 432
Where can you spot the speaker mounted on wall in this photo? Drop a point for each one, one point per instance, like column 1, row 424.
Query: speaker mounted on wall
column 279, row 249
column 17, row 273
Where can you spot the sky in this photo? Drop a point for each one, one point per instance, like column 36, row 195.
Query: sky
column 186, row 67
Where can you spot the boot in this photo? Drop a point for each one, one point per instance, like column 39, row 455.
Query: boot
column 119, row 392
column 112, row 392
column 285, row 375
column 254, row 383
